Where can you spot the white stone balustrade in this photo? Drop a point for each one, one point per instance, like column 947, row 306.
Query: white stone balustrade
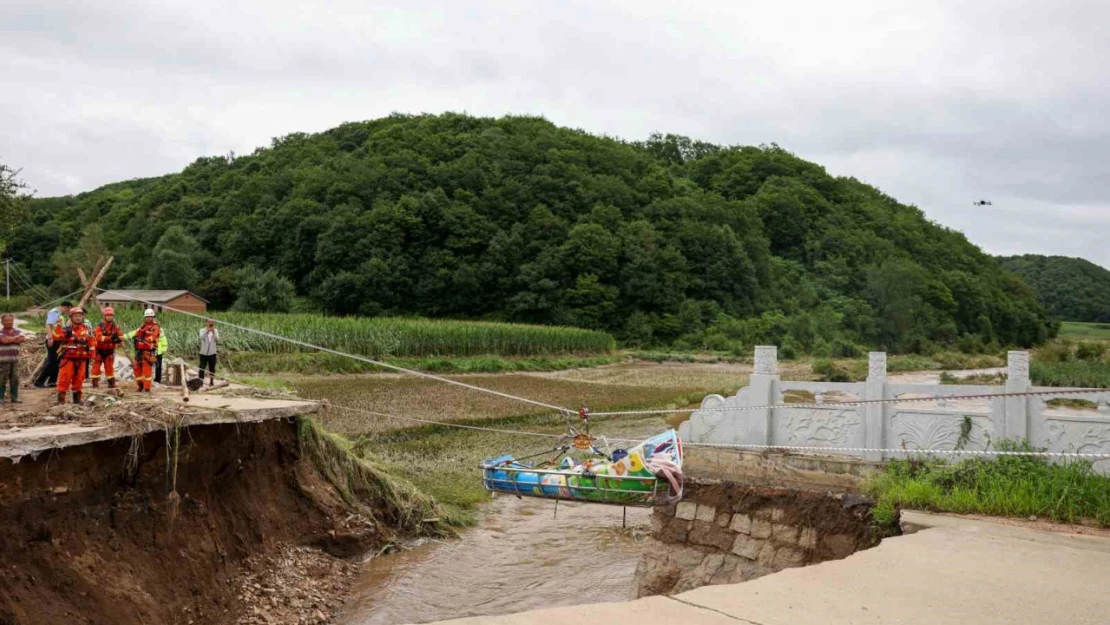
column 942, row 422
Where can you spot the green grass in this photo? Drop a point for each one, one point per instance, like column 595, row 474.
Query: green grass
column 1078, row 373
column 1012, row 486
column 379, row 337
column 1079, row 330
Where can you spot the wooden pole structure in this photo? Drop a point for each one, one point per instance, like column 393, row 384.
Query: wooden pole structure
column 90, row 289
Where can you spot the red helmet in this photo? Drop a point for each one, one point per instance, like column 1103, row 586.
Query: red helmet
column 76, row 310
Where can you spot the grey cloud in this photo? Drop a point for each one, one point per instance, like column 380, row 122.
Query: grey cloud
column 938, row 103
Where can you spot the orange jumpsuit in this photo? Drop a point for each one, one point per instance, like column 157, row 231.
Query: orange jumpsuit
column 75, row 345
column 108, row 337
column 146, row 342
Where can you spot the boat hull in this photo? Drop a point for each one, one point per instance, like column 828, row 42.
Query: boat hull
column 628, row 481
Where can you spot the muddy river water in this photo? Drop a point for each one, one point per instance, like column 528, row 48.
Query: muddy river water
column 519, row 557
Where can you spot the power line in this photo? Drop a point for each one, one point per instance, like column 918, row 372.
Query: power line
column 27, row 276
column 28, row 290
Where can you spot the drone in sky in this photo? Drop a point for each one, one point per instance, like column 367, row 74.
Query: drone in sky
column 981, row 203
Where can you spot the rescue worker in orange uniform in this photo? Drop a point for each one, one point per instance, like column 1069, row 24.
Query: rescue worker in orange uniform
column 108, row 336
column 146, row 345
column 75, row 344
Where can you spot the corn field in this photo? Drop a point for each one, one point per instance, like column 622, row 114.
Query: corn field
column 375, row 337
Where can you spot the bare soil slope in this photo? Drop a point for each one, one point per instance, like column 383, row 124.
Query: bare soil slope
column 109, row 533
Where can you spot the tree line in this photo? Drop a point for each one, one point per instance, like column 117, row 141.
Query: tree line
column 667, row 241
column 1072, row 289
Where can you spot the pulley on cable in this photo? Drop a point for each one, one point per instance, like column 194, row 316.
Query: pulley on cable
column 584, row 468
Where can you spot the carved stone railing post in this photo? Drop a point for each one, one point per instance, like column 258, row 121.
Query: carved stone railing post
column 1017, row 408
column 755, row 425
column 873, row 414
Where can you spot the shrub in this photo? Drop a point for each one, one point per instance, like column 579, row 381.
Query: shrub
column 831, row 371
column 16, row 304
column 262, row 291
column 1090, row 350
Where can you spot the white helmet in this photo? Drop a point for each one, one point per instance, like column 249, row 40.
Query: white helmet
column 149, row 312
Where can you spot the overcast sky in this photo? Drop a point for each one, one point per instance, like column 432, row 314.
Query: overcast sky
column 938, row 104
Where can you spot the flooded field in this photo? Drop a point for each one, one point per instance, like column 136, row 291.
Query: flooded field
column 519, row 557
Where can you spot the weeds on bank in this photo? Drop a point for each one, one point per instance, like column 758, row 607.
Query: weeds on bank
column 831, row 370
column 1071, row 363
column 1013, row 486
column 365, row 485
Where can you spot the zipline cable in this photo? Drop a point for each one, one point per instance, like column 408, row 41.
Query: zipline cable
column 364, row 359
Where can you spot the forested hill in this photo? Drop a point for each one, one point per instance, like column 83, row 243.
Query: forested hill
column 668, row 241
column 1072, row 289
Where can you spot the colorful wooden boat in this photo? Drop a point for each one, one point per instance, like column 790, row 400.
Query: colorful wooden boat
column 632, row 478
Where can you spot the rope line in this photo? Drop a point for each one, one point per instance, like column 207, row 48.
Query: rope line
column 372, row 413
column 371, row 361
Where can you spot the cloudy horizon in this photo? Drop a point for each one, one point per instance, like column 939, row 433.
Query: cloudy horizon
column 937, row 104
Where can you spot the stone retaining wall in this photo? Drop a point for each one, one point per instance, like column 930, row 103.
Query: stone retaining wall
column 727, row 532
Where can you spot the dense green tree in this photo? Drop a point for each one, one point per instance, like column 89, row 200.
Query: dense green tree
column 262, row 291
column 666, row 240
column 218, row 288
column 171, row 265
column 89, row 249
column 1073, row 289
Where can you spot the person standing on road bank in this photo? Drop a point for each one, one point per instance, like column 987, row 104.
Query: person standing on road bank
column 49, row 375
column 10, row 341
column 108, row 336
column 75, row 344
column 146, row 344
column 209, row 339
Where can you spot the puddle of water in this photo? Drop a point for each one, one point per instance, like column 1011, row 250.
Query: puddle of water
column 517, row 558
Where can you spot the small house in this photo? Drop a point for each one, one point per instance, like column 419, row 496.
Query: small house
column 177, row 300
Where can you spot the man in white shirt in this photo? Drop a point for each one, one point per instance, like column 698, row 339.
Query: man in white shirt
column 209, row 339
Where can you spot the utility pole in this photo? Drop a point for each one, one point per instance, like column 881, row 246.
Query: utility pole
column 8, row 277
